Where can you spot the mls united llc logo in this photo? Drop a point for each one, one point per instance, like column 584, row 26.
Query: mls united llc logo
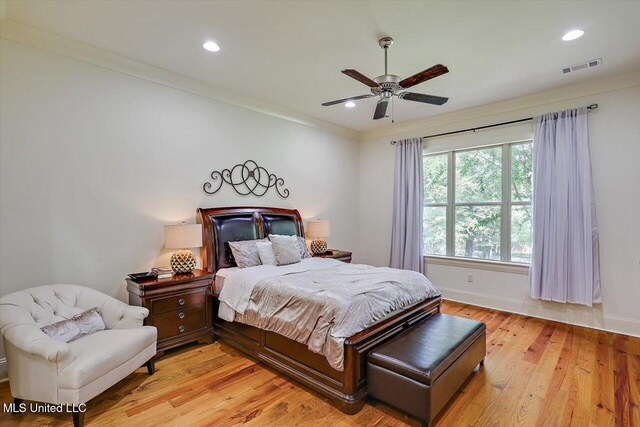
column 23, row 407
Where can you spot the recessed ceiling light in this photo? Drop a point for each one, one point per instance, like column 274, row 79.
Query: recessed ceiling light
column 211, row 46
column 572, row 35
column 350, row 104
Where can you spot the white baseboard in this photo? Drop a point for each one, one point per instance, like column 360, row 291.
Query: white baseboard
column 4, row 376
column 565, row 313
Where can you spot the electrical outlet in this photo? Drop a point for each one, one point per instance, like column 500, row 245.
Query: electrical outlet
column 469, row 277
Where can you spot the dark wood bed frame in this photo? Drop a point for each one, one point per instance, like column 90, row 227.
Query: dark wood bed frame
column 346, row 389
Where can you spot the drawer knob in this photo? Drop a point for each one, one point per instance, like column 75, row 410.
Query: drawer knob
column 181, row 301
column 181, row 315
column 181, row 328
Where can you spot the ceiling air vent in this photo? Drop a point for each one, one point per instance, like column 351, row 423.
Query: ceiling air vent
column 577, row 67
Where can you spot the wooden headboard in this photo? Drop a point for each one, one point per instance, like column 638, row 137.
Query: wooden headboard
column 223, row 225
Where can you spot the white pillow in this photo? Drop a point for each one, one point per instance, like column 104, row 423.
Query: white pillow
column 265, row 250
column 286, row 249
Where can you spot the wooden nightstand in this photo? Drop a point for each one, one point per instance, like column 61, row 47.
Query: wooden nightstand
column 179, row 307
column 343, row 256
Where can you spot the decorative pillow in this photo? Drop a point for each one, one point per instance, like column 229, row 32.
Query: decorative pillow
column 245, row 252
column 286, row 249
column 304, row 251
column 81, row 324
column 265, row 250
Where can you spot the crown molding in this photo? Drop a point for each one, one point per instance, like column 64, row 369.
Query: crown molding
column 510, row 109
column 40, row 39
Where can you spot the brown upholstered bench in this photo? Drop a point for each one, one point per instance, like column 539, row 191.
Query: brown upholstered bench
column 420, row 370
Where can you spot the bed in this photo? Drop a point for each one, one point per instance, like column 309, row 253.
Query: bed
column 346, row 388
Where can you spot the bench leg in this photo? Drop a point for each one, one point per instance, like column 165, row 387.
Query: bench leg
column 151, row 366
column 425, row 424
column 78, row 419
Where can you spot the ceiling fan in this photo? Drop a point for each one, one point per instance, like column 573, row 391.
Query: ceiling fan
column 387, row 85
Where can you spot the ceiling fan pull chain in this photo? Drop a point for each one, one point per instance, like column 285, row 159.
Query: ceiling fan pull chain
column 393, row 109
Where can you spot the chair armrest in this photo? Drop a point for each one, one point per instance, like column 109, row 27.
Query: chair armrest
column 30, row 339
column 132, row 317
column 115, row 313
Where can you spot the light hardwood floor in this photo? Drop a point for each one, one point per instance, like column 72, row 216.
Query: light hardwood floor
column 536, row 373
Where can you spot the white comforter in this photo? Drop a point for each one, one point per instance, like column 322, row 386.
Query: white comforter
column 239, row 282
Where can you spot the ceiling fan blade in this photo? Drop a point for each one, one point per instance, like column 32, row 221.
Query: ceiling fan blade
column 340, row 101
column 361, row 78
column 381, row 109
column 420, row 97
column 423, row 76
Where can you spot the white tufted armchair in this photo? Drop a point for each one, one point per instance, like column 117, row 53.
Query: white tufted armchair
column 42, row 369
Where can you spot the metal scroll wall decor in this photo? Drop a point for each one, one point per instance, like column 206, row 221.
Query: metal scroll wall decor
column 246, row 178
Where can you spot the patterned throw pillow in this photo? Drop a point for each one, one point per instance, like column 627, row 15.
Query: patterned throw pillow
column 245, row 253
column 286, row 248
column 304, row 251
column 81, row 324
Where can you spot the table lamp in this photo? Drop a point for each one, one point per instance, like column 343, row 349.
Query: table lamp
column 318, row 229
column 183, row 237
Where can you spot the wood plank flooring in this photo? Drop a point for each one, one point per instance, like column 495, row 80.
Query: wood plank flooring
column 536, row 373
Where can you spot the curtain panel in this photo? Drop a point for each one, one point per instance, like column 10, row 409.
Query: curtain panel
column 408, row 206
column 565, row 261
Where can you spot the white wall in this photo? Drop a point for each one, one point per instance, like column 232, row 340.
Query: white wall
column 94, row 162
column 615, row 153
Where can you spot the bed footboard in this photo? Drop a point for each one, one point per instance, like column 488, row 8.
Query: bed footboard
column 346, row 389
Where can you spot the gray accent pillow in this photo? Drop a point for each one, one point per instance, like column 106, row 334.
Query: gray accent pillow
column 81, row 324
column 304, row 251
column 245, row 253
column 286, row 249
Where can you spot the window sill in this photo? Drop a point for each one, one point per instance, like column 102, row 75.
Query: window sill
column 482, row 264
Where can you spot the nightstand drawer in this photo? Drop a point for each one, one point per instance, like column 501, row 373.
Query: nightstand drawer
column 180, row 322
column 161, row 305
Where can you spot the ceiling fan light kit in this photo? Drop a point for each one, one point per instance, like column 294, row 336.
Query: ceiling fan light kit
column 388, row 85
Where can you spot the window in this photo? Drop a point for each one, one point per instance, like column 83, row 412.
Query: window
column 478, row 203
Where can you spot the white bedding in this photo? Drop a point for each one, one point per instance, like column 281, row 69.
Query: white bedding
column 218, row 281
column 239, row 282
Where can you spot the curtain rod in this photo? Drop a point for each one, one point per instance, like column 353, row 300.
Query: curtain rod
column 590, row 107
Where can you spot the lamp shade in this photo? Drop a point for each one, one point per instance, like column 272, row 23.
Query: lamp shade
column 318, row 228
column 183, row 236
